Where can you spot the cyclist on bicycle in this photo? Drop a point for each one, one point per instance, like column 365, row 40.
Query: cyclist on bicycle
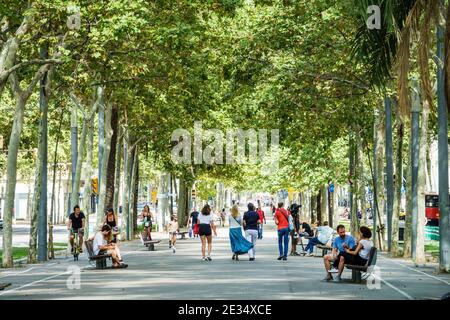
column 76, row 224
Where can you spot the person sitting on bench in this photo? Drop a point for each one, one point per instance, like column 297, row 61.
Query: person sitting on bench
column 100, row 246
column 360, row 254
column 339, row 244
column 323, row 235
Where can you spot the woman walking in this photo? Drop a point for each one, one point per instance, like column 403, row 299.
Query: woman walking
column 206, row 226
column 282, row 221
column 239, row 245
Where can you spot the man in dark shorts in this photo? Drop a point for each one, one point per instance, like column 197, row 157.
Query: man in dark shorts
column 76, row 224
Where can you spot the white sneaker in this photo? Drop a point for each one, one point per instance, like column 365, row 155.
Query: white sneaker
column 310, row 255
column 333, row 270
column 174, row 250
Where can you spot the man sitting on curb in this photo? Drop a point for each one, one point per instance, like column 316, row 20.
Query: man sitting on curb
column 339, row 245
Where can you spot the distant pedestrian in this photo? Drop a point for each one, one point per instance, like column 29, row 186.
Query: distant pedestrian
column 239, row 245
column 193, row 222
column 206, row 226
column 173, row 232
column 147, row 221
column 262, row 217
column 294, row 211
column 111, row 220
column 251, row 222
column 282, row 221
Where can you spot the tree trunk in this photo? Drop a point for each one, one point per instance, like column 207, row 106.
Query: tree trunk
column 29, row 200
column 124, row 228
column 87, row 173
column 324, row 203
column 11, row 178
column 408, row 210
column 319, row 206
column 111, row 169
column 353, row 186
column 117, row 167
column 330, row 208
column 312, row 207
column 80, row 154
column 73, row 148
column 135, row 191
column 361, row 182
column 51, row 252
column 104, row 165
column 381, row 202
column 182, row 201
column 172, row 181
column 421, row 220
column 163, row 201
column 35, row 212
column 9, row 51
column 398, row 182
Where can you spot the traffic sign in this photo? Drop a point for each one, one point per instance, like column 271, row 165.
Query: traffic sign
column 331, row 187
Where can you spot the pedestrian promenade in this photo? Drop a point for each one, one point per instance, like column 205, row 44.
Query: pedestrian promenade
column 163, row 275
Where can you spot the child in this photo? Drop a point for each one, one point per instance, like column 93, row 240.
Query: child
column 173, row 231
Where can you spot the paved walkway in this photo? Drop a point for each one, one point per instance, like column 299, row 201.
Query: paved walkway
column 163, row 275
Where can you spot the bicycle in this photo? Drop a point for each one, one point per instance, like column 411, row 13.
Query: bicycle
column 76, row 243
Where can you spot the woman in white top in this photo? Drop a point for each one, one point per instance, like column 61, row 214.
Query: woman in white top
column 206, row 224
column 360, row 254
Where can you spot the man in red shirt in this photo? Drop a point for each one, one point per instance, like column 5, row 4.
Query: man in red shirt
column 262, row 217
column 282, row 221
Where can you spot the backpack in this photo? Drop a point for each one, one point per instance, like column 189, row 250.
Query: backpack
column 291, row 222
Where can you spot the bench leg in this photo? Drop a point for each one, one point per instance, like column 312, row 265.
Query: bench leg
column 151, row 247
column 358, row 276
column 98, row 264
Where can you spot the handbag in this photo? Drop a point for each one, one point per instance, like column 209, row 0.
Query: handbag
column 196, row 227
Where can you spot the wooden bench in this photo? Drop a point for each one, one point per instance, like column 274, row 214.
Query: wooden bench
column 324, row 249
column 357, row 270
column 150, row 244
column 100, row 260
column 4, row 285
column 183, row 234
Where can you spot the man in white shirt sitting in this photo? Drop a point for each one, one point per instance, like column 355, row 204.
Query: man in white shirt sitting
column 324, row 234
column 100, row 246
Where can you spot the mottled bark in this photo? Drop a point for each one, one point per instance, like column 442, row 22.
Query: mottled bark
column 104, row 166
column 111, row 168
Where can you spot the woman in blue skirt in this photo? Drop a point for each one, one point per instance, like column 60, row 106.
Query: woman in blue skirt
column 239, row 245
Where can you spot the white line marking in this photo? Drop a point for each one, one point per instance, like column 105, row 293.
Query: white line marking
column 25, row 271
column 34, row 282
column 394, row 287
column 45, row 279
column 424, row 273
